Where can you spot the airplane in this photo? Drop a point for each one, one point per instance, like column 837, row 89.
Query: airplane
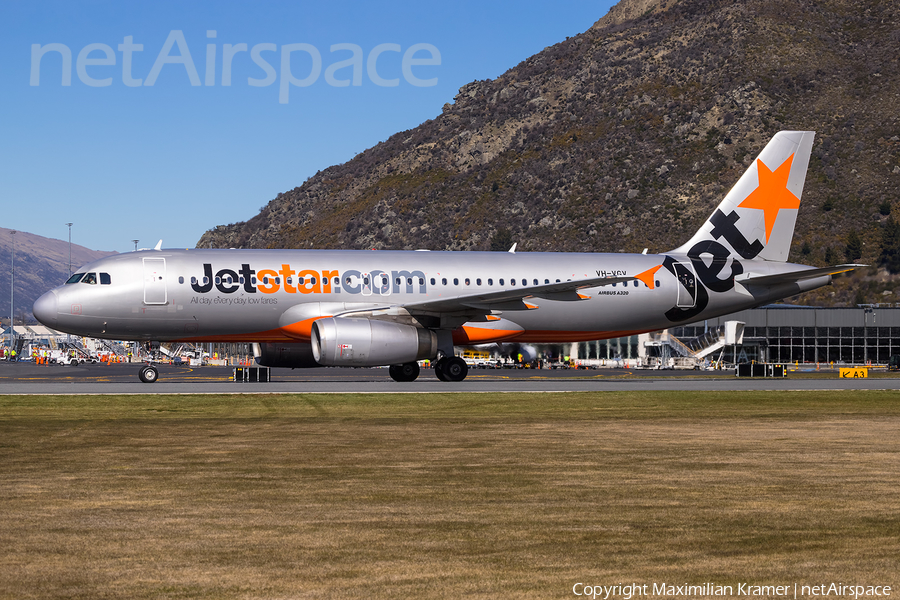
column 310, row 308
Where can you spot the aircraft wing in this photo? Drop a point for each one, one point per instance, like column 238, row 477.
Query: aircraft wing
column 793, row 276
column 512, row 299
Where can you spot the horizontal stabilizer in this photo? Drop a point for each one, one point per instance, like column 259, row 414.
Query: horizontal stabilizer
column 793, row 276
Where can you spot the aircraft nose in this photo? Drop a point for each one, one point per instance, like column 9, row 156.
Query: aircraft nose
column 46, row 309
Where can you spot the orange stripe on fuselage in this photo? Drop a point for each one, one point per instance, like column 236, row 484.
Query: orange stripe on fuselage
column 301, row 331
column 465, row 336
column 462, row 336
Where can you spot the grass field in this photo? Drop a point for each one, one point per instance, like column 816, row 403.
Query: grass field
column 444, row 496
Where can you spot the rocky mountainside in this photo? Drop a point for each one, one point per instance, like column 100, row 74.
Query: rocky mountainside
column 41, row 264
column 627, row 135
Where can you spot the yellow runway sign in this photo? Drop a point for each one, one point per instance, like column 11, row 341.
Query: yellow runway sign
column 861, row 373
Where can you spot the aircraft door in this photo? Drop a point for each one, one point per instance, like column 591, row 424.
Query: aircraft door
column 687, row 285
column 155, row 281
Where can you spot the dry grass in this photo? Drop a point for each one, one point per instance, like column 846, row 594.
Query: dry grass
column 443, row 495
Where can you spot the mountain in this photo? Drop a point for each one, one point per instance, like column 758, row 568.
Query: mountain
column 627, row 136
column 41, row 264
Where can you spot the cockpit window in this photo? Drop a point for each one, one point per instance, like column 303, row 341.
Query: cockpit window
column 105, row 279
column 90, row 278
column 75, row 278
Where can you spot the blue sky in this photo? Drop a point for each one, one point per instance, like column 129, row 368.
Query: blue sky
column 125, row 160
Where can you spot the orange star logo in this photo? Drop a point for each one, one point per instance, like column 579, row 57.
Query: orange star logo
column 772, row 194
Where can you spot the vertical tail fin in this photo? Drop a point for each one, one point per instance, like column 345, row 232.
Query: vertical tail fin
column 756, row 218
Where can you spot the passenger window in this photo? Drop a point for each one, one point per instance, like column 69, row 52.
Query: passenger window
column 90, row 278
column 180, row 279
column 635, row 284
column 75, row 278
column 478, row 281
column 193, row 281
column 456, row 281
column 535, row 282
column 546, row 281
column 512, row 282
column 432, row 281
column 657, row 283
column 501, row 281
column 490, row 281
column 468, row 282
column 443, row 281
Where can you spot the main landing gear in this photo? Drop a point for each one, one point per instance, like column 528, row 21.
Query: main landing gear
column 451, row 369
column 447, row 369
column 405, row 372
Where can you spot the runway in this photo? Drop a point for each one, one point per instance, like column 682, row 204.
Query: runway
column 28, row 378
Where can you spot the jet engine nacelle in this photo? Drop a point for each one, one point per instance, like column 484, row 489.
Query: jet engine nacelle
column 290, row 356
column 338, row 341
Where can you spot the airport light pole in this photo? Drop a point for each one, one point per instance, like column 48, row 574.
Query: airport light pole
column 12, row 285
column 70, row 248
column 135, row 244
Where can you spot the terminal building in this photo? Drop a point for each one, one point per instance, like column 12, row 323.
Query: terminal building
column 777, row 333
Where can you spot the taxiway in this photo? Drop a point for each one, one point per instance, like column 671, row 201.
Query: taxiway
column 28, row 378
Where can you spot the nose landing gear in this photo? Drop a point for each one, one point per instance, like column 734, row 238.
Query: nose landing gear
column 148, row 374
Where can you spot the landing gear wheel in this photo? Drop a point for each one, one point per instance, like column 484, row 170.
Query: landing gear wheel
column 148, row 374
column 439, row 369
column 405, row 372
column 451, row 369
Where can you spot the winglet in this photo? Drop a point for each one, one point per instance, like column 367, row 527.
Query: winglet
column 513, row 249
column 647, row 277
column 158, row 245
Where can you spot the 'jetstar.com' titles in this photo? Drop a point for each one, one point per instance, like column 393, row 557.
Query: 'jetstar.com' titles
column 308, row 281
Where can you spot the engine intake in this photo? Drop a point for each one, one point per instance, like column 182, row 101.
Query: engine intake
column 338, row 341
